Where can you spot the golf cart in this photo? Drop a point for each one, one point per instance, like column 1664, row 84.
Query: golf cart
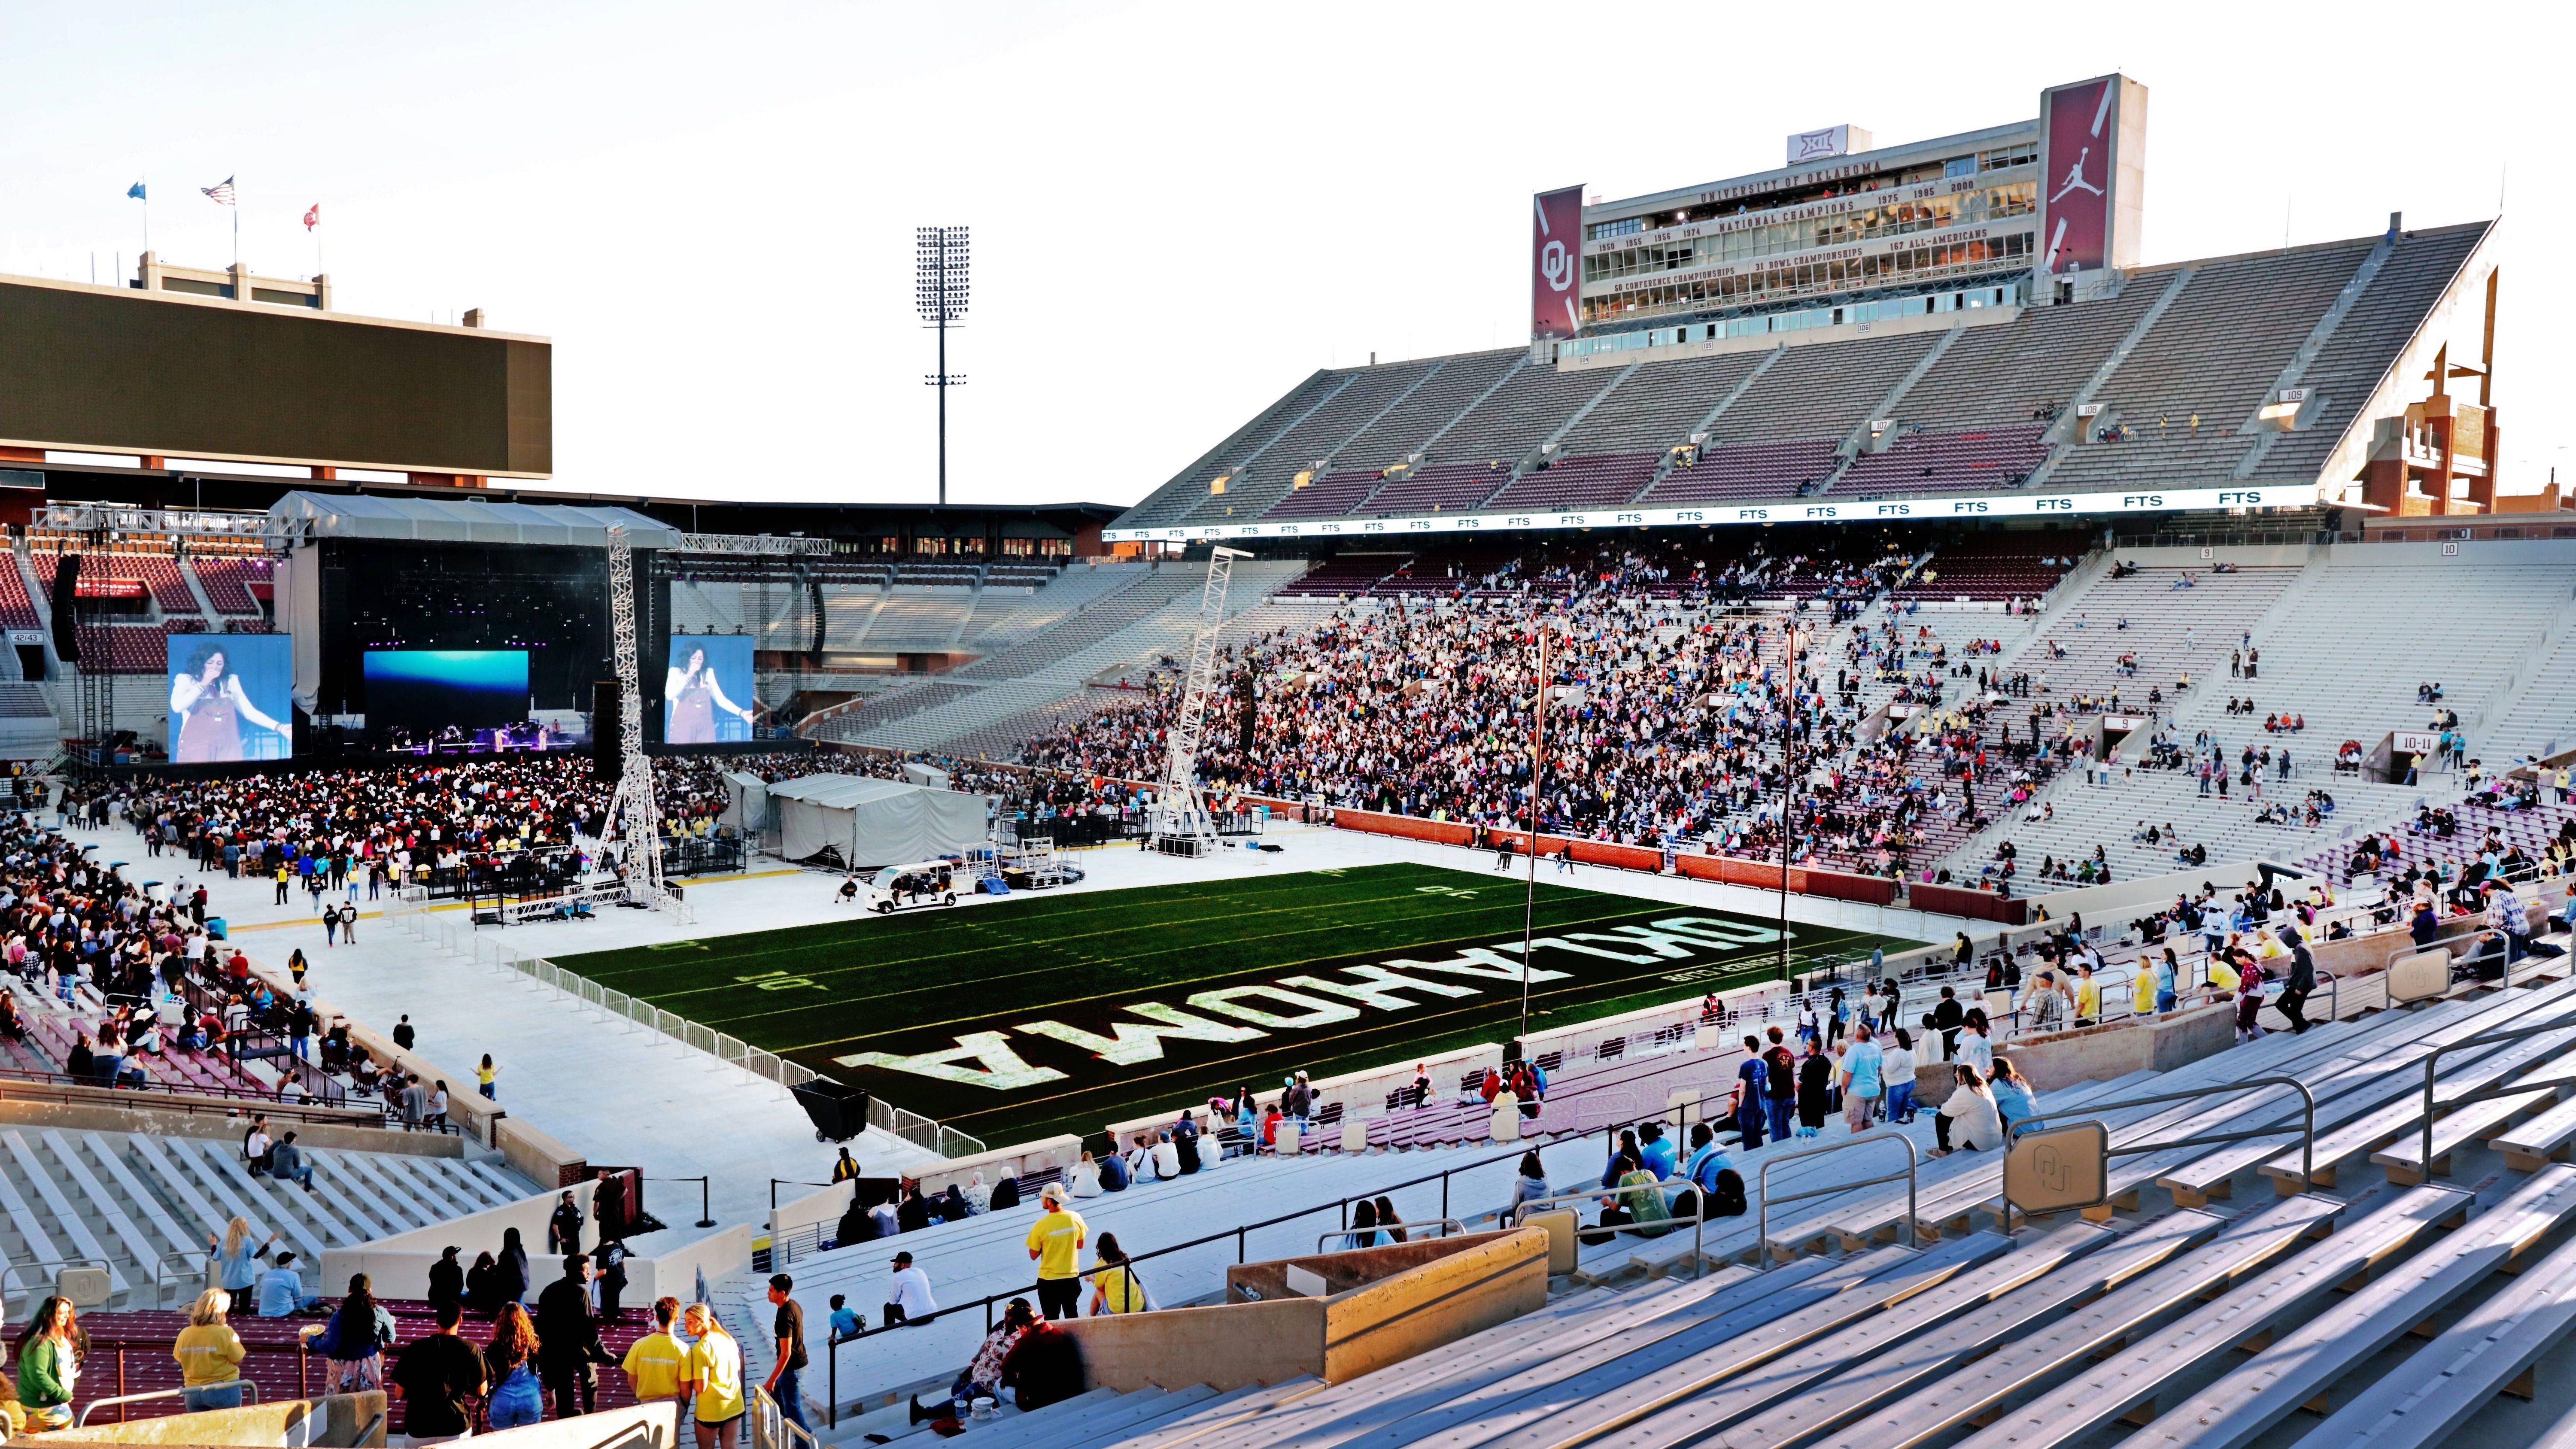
column 903, row 887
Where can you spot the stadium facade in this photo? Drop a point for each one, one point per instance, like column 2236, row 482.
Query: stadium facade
column 1952, row 329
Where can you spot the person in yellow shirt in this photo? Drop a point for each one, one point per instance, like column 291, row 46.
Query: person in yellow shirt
column 1055, row 1244
column 2088, row 997
column 1115, row 1288
column 656, row 1364
column 712, row 1376
column 209, row 1355
column 2142, row 990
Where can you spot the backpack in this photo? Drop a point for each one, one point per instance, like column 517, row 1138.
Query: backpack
column 1726, row 1199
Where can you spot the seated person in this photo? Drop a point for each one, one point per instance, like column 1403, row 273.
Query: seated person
column 281, row 1291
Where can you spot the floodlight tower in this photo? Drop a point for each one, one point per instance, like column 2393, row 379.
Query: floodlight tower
column 939, row 292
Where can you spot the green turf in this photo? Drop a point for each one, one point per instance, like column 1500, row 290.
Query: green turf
column 917, row 983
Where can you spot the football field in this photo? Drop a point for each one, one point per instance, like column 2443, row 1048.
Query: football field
column 1066, row 1012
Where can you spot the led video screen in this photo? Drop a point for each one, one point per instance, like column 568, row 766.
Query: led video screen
column 706, row 697
column 231, row 698
column 429, row 690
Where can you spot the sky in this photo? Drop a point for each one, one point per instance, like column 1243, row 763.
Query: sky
column 1178, row 211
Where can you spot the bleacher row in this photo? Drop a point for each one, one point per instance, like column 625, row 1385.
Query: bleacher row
column 1467, row 430
column 144, row 1203
column 2206, row 1326
column 139, row 645
column 2304, row 622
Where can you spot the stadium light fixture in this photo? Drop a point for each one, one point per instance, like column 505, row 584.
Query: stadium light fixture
column 940, row 293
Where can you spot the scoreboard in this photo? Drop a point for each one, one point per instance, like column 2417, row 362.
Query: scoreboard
column 117, row 370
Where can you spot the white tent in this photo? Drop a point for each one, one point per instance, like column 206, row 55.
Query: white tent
column 875, row 822
column 748, row 812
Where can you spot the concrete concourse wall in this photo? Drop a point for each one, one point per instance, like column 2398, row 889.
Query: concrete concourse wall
column 399, row 1265
column 1401, row 1300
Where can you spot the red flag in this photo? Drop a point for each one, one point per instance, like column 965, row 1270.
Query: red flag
column 313, row 216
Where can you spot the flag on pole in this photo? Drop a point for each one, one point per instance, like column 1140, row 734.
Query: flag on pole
column 135, row 192
column 220, row 195
column 313, row 216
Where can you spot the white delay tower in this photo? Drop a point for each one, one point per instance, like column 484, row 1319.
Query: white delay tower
column 633, row 812
column 1180, row 823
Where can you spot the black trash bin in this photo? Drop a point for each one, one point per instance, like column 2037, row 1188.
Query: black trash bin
column 838, row 1111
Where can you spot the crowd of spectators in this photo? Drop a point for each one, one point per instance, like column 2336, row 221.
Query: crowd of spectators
column 1665, row 723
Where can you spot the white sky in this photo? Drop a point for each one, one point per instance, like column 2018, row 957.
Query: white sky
column 1178, row 210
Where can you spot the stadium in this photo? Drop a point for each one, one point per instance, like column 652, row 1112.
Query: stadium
column 1903, row 828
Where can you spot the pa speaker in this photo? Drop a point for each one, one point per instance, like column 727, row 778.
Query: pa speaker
column 607, row 734
column 66, row 608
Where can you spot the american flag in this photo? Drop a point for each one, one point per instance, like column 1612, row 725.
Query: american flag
column 220, row 195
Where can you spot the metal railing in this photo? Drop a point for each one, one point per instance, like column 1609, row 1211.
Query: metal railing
column 1762, row 1186
column 1443, row 1224
column 250, row 1395
column 2093, row 1112
column 1522, row 1212
column 14, row 1269
column 2433, row 1062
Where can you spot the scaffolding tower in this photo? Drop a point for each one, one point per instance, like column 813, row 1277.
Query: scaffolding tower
column 1180, row 823
column 634, row 813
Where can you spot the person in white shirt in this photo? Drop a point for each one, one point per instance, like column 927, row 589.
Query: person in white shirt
column 1896, row 1064
column 1974, row 1050
column 1969, row 1115
column 911, row 1289
column 1167, row 1157
column 1086, row 1178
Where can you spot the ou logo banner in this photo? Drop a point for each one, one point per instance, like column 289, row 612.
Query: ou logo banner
column 1556, row 252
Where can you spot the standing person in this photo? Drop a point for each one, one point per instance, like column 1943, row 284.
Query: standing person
column 510, row 1364
column 404, row 1036
column 2249, row 1002
column 568, row 1340
column 609, row 1260
column 563, row 1229
column 1897, row 1068
column 433, row 1377
column 209, row 1355
column 656, row 1363
column 1815, row 1087
column 483, row 1076
column 1752, row 1082
column 1862, row 1084
column 49, row 1362
column 1055, row 1244
column 2301, row 985
column 354, row 1340
column 713, row 1378
column 510, row 1270
column 1781, row 1090
column 789, row 1329
column 236, row 1262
